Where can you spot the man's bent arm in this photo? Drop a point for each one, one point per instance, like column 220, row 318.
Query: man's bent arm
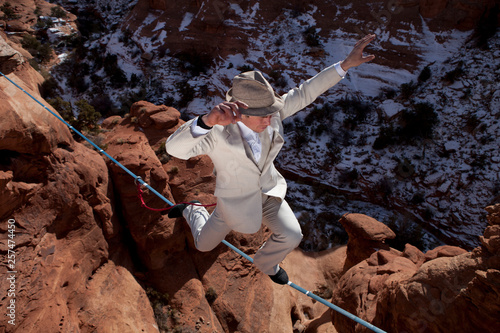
column 185, row 143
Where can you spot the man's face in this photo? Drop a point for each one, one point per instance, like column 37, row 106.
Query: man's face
column 255, row 123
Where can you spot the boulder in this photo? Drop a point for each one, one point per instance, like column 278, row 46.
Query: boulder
column 26, row 126
column 10, row 59
column 148, row 114
column 366, row 236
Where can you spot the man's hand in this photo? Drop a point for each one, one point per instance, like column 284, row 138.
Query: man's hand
column 356, row 57
column 224, row 113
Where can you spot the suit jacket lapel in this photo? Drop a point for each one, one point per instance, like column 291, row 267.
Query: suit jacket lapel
column 236, row 141
column 276, row 144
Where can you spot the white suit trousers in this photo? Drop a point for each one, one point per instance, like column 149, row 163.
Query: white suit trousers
column 209, row 230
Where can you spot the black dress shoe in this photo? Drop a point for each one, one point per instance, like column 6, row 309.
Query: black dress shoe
column 177, row 210
column 280, row 278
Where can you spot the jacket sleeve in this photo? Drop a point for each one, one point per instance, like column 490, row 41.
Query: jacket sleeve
column 300, row 97
column 184, row 145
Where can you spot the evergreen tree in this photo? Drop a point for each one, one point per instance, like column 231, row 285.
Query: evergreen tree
column 87, row 116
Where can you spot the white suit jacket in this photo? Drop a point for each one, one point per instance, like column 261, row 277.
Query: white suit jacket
column 239, row 181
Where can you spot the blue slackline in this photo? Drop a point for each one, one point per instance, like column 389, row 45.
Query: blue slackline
column 231, row 246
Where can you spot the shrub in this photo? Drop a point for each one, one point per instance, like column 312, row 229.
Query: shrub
column 279, row 41
column 245, row 68
column 64, row 108
column 45, row 53
column 173, row 170
column 321, row 114
column 126, row 101
column 186, row 92
column 76, row 72
column 8, row 12
column 405, row 169
column 134, row 80
column 324, row 292
column 333, row 154
column 49, row 88
column 406, row 232
column 211, row 295
column 30, row 43
column 384, row 186
column 58, row 12
column 118, row 79
column 356, row 110
column 387, row 137
column 42, row 24
column 159, row 302
column 311, row 37
column 407, row 89
column 277, row 79
column 126, row 38
column 425, row 74
column 34, row 64
column 417, row 198
column 87, row 116
column 419, row 122
column 103, row 104
column 89, row 23
column 299, row 139
column 480, row 161
column 41, row 52
column 116, row 75
column 428, row 214
column 387, row 93
column 319, row 129
column 194, row 62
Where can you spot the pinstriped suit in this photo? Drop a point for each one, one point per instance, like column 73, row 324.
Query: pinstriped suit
column 248, row 193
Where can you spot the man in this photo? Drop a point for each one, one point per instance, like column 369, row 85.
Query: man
column 243, row 136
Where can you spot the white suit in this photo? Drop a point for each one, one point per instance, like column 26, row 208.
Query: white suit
column 248, row 193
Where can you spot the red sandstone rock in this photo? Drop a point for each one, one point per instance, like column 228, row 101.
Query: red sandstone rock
column 414, row 254
column 58, row 193
column 366, row 236
column 161, row 117
column 444, row 251
column 128, row 302
column 26, row 127
column 152, row 232
column 399, row 295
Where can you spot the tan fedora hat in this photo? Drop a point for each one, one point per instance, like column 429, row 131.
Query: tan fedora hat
column 254, row 90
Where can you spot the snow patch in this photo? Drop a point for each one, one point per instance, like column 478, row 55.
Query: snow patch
column 186, row 21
